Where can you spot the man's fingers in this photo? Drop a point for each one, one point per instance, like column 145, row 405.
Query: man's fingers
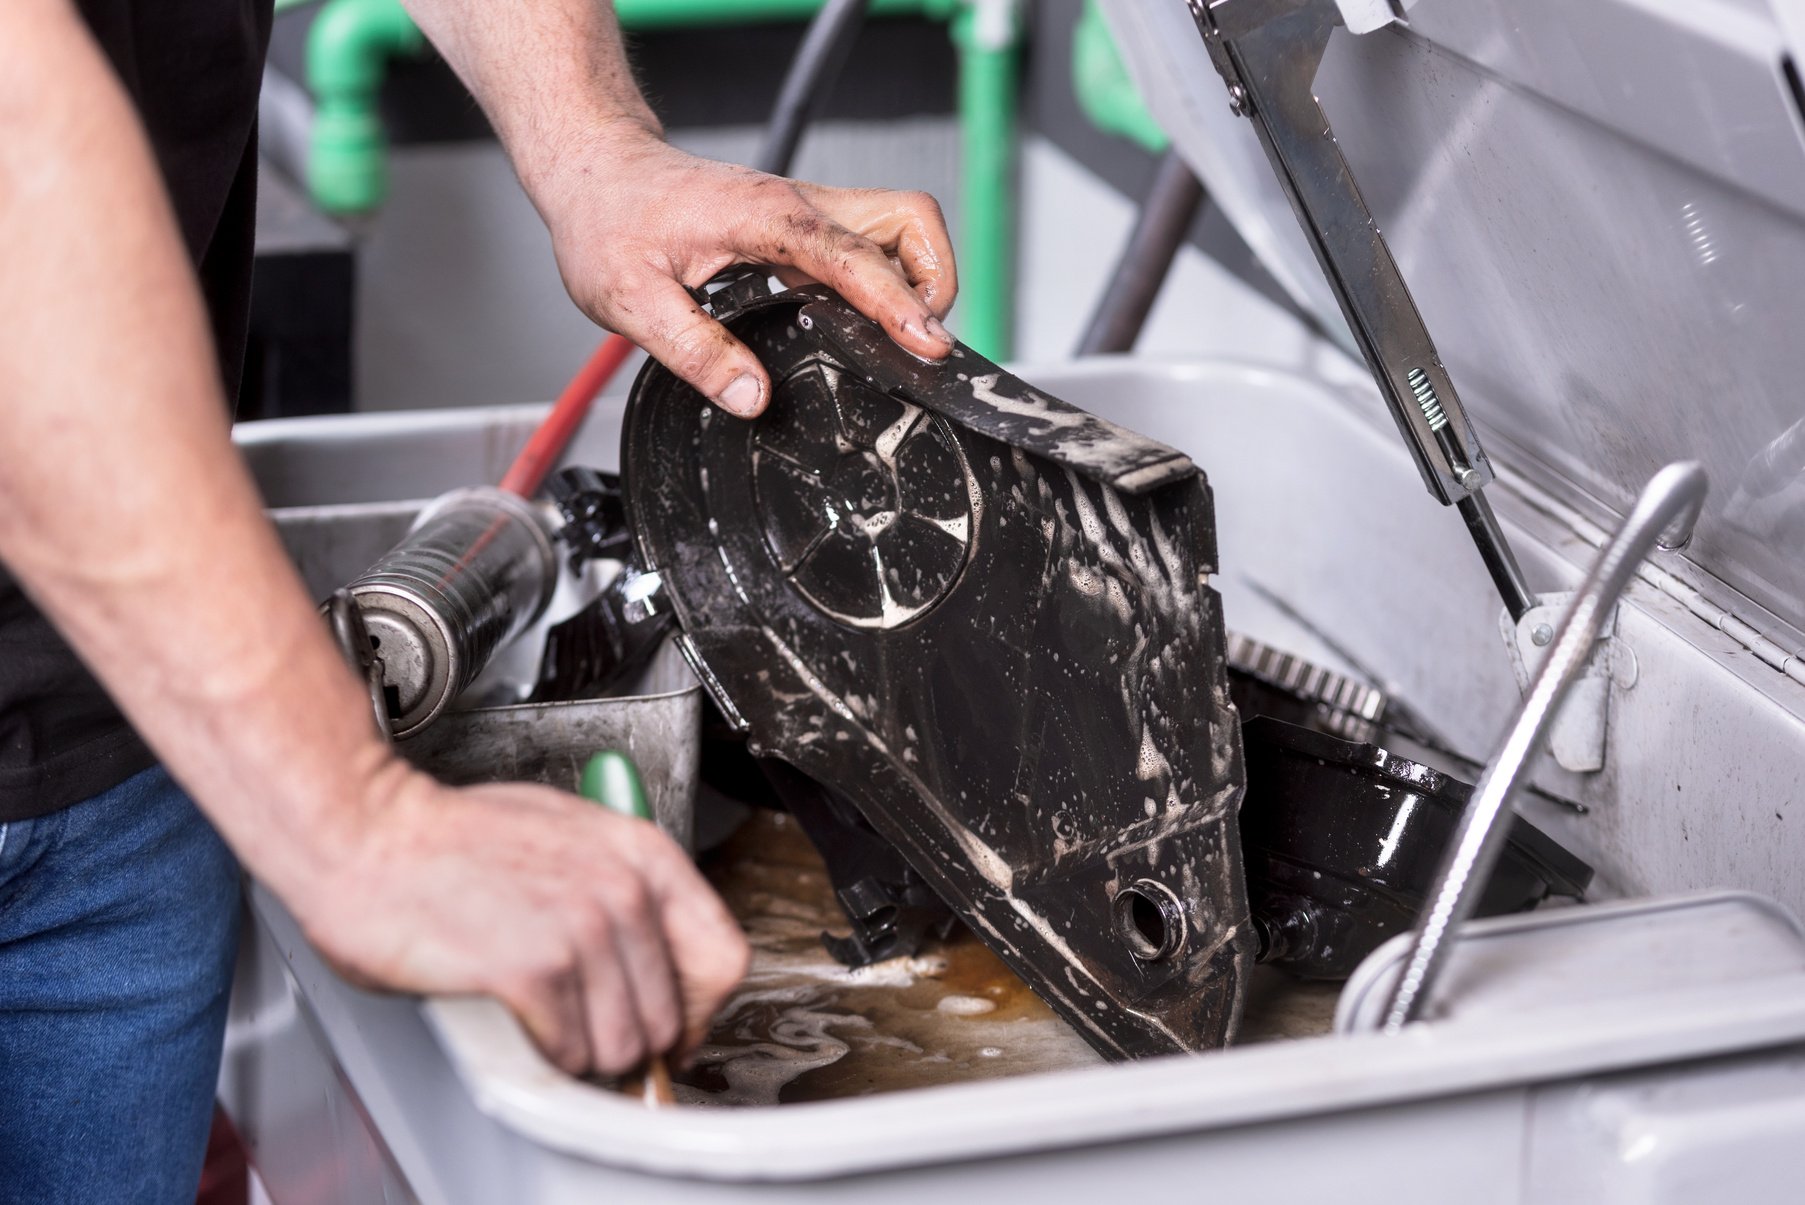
column 708, row 948
column 645, row 964
column 857, row 269
column 907, row 225
column 549, row 1003
column 674, row 330
column 931, row 273
column 709, row 968
column 617, row 1042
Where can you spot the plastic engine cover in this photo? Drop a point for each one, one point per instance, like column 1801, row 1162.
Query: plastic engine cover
column 985, row 617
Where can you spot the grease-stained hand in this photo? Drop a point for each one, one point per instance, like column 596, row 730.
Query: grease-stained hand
column 636, row 223
column 595, row 929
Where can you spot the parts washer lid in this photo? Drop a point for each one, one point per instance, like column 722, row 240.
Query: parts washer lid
column 1599, row 209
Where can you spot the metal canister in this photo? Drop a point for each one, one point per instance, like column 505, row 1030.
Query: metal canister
column 477, row 569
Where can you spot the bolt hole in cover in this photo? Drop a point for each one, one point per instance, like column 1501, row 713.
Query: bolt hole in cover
column 1150, row 919
column 983, row 616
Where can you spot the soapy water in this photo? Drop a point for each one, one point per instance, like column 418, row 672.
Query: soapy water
column 768, row 1040
column 802, row 1027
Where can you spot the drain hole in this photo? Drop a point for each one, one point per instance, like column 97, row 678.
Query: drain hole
column 1149, row 920
column 1148, row 924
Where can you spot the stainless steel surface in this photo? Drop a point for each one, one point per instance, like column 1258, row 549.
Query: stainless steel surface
column 1610, row 956
column 1495, row 551
column 1631, row 175
column 658, row 724
column 477, row 569
column 1174, row 74
column 1579, row 738
column 1672, row 499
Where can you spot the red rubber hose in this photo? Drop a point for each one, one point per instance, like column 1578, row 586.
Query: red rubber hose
column 546, row 447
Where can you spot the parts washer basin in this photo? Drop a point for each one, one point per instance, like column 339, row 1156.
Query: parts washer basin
column 446, row 1102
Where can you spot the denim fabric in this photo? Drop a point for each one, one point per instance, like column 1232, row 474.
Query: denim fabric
column 118, row 928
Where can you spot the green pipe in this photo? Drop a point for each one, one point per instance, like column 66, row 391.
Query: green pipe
column 1105, row 90
column 351, row 42
column 348, row 49
column 988, row 36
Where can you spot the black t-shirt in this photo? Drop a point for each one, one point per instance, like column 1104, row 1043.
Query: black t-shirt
column 193, row 68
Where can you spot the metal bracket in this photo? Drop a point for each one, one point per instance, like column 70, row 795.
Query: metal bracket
column 1578, row 736
column 1268, row 53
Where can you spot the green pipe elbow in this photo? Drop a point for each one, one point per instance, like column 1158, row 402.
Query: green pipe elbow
column 348, row 50
column 1104, row 88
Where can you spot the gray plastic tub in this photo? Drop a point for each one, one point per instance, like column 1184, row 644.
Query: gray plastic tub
column 1328, row 546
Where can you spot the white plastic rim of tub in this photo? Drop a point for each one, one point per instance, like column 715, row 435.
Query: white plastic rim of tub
column 1606, row 955
column 1549, row 1039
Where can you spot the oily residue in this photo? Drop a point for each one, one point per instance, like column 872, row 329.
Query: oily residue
column 804, row 1028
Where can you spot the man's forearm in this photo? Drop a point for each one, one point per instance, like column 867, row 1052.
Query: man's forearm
column 638, row 225
column 552, row 75
column 124, row 510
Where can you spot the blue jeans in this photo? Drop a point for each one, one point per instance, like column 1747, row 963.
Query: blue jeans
column 118, row 929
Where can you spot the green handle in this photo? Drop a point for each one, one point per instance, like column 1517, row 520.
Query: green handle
column 611, row 780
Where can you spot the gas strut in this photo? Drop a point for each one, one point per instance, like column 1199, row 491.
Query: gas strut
column 1268, row 53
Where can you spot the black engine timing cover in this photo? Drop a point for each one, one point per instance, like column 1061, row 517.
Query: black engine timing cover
column 985, row 617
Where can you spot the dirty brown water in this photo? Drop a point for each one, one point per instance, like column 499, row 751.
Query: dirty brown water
column 804, row 1028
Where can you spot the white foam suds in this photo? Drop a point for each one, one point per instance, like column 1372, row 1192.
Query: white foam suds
column 966, row 1006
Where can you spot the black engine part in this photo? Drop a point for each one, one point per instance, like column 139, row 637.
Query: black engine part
column 892, row 909
column 595, row 515
column 984, row 617
column 1342, row 840
column 610, row 641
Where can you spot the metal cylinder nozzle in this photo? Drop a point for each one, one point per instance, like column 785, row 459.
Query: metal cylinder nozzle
column 477, row 569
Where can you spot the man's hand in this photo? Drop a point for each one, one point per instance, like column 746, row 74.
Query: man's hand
column 635, row 221
column 593, row 928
